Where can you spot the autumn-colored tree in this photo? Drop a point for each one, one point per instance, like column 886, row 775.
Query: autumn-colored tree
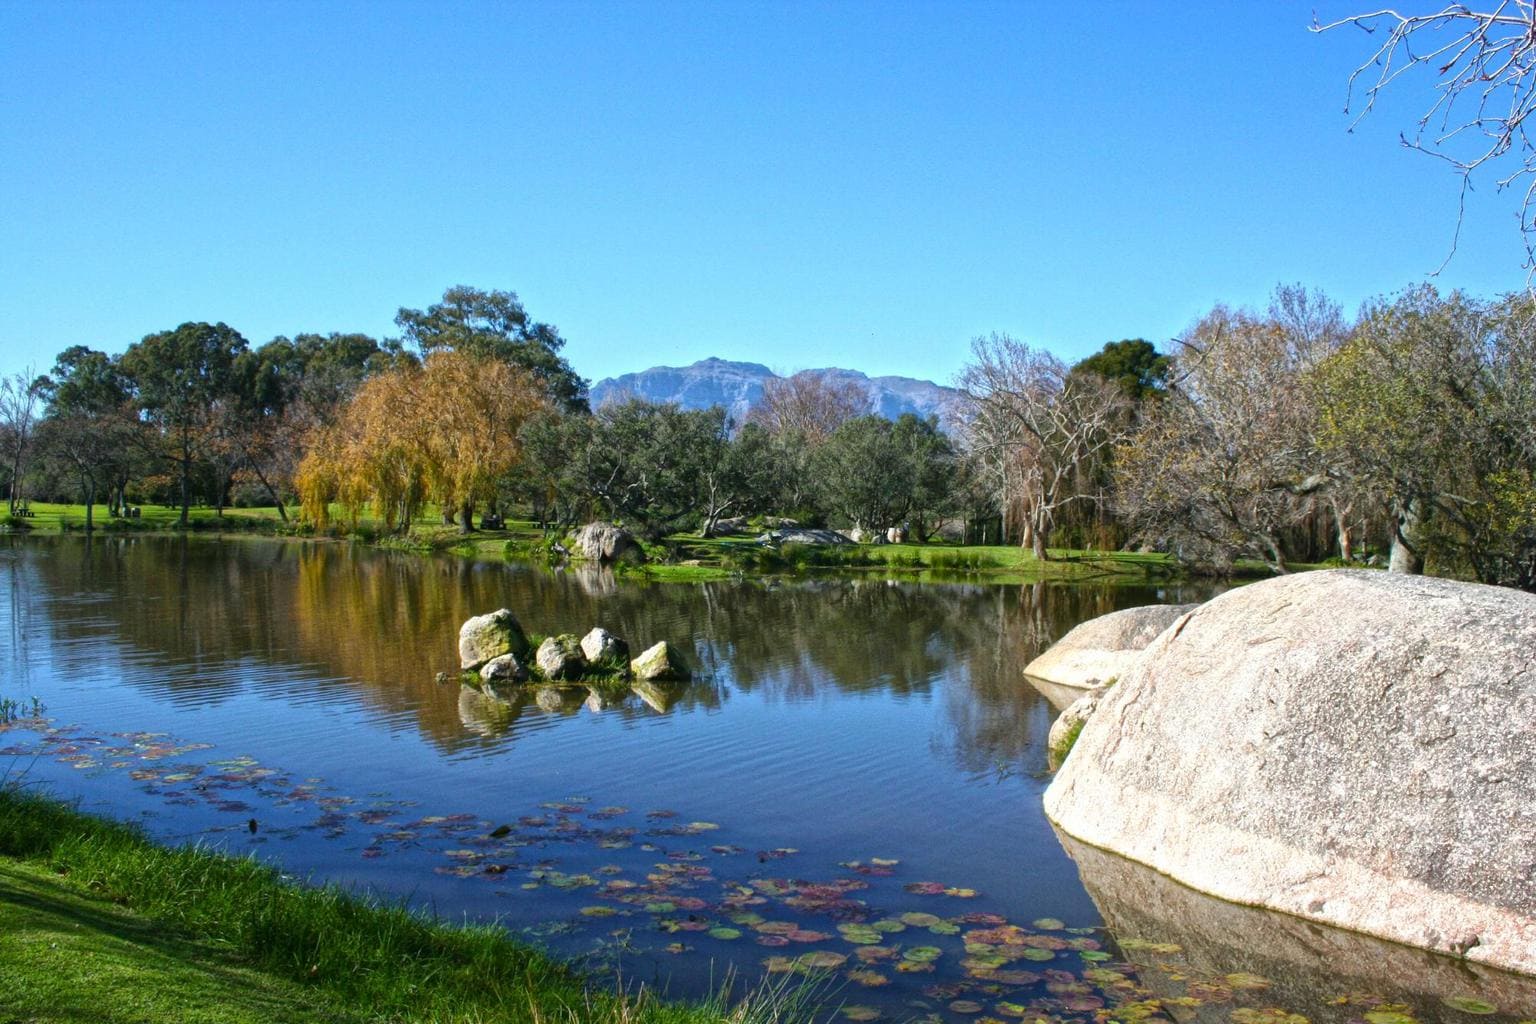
column 445, row 431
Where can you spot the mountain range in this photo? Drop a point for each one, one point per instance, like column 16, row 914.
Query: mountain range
column 739, row 386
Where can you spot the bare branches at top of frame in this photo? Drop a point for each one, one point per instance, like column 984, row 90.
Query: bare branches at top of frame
column 1484, row 91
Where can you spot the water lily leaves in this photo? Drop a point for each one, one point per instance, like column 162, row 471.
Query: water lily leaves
column 724, row 934
column 889, row 925
column 1244, row 982
column 660, row 907
column 1011, row 1009
column 772, row 941
column 962, row 894
column 1094, row 955
column 860, row 935
column 944, row 928
column 918, row 919
column 922, row 954
column 1014, row 978
column 777, row 927
column 925, row 888
column 1037, row 955
column 821, row 960
column 598, row 911
column 1467, row 1004
column 860, row 1013
column 1049, row 924
column 806, row 935
column 1146, row 946
column 1268, row 1015
column 868, row 978
column 965, row 1006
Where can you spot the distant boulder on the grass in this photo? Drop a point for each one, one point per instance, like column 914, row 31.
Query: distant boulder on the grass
column 607, row 543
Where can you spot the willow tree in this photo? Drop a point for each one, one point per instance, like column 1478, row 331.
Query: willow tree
column 445, row 431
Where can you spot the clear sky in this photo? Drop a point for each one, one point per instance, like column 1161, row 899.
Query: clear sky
column 799, row 184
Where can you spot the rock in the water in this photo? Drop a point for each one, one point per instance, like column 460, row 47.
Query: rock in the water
column 1353, row 747
column 1068, row 725
column 1101, row 649
column 489, row 636
column 658, row 663
column 504, row 668
column 560, row 657
column 599, row 645
column 605, row 542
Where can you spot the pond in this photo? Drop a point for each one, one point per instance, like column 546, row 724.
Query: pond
column 849, row 788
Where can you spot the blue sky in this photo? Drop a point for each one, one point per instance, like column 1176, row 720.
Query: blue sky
column 799, row 184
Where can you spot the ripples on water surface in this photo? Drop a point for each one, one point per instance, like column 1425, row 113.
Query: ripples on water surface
column 853, row 781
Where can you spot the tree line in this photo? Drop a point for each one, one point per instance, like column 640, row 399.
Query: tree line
column 1286, row 434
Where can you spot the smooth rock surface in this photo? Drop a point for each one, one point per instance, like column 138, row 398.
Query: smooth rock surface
column 1101, row 649
column 599, row 644
column 489, row 636
column 1353, row 747
column 560, row 657
column 658, row 663
column 1059, row 743
column 504, row 668
column 606, row 543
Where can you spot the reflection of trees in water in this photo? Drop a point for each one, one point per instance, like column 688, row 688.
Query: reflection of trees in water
column 382, row 625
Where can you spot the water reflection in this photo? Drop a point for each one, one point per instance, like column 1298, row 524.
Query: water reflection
column 1181, row 940
column 329, row 621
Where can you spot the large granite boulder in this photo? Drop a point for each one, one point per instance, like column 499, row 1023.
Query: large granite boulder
column 607, row 543
column 489, row 636
column 1069, row 725
column 560, row 657
column 802, row 535
column 658, row 663
column 1101, row 649
column 1353, row 747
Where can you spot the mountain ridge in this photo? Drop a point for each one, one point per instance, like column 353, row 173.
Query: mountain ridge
column 738, row 386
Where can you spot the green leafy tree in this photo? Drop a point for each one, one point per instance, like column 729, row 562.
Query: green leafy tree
column 1134, row 364
column 864, row 474
column 494, row 325
column 179, row 378
column 89, row 425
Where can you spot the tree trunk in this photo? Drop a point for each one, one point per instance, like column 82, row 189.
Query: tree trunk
column 1346, row 542
column 90, row 501
column 467, row 516
column 1407, row 554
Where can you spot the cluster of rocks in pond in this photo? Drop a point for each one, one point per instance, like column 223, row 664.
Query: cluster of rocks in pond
column 494, row 650
column 1355, row 748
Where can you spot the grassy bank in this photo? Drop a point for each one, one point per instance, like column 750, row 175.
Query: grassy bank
column 681, row 558
column 97, row 923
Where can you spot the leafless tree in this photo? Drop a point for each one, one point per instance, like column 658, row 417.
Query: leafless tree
column 19, row 400
column 1225, row 464
column 1038, row 429
column 808, row 404
column 1481, row 62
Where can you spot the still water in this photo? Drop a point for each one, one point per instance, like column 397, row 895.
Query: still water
column 850, row 785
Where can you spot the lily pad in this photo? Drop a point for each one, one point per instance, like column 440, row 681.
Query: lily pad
column 966, row 1006
column 860, row 1013
column 725, row 934
column 917, row 919
column 1467, row 1004
column 822, row 960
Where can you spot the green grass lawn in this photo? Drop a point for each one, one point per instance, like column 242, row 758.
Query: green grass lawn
column 681, row 558
column 99, row 924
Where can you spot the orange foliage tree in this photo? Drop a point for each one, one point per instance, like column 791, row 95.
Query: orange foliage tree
column 444, row 431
